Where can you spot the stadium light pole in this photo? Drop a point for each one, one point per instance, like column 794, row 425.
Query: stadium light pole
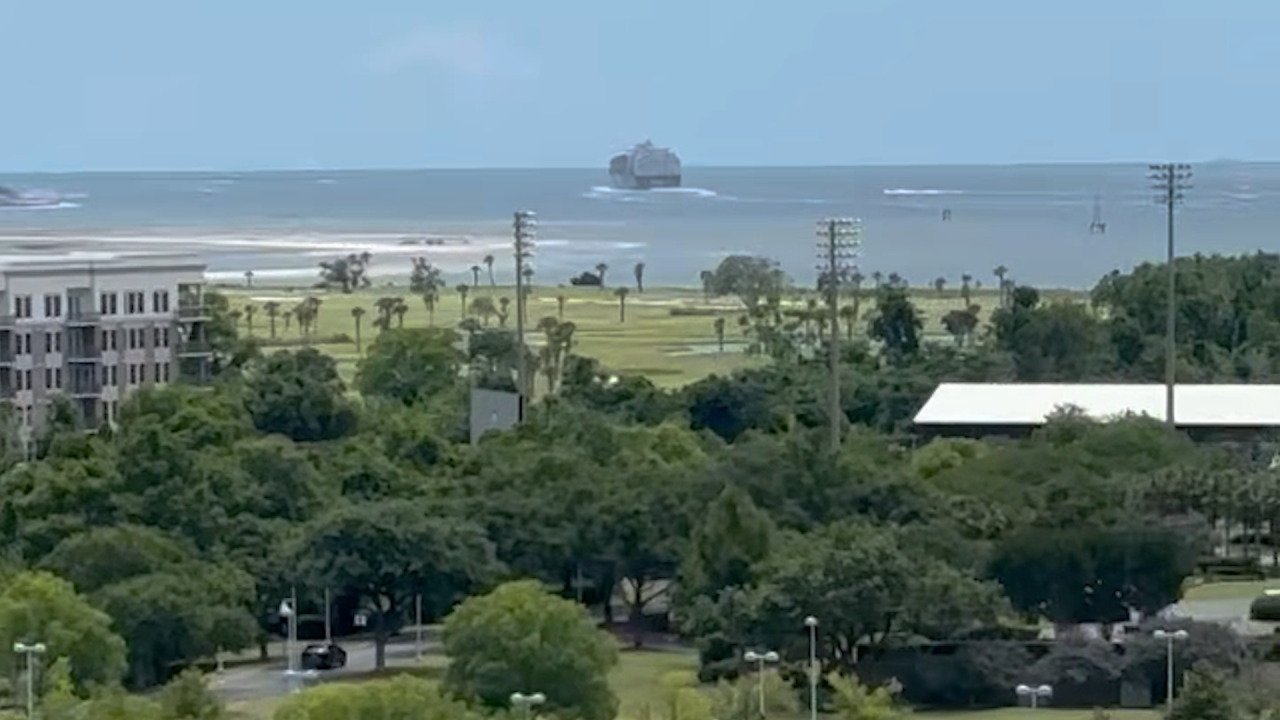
column 1169, row 180
column 524, row 227
column 527, row 703
column 1169, row 637
column 839, row 240
column 759, row 659
column 811, row 622
column 1036, row 694
column 30, row 651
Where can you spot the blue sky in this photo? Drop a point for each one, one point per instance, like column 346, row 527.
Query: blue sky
column 296, row 84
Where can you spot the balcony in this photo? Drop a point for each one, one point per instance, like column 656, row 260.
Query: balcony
column 193, row 311
column 8, row 319
column 81, row 318
column 194, row 348
column 82, row 354
column 84, row 389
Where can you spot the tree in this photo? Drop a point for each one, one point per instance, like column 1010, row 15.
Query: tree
column 272, row 309
column 387, row 552
column 300, row 395
column 410, row 365
column 718, row 326
column 249, row 311
column 939, row 284
column 357, row 314
column 561, row 300
column 403, row 696
column 463, row 289
column 961, row 324
column 475, row 276
column 488, row 263
column 347, row 273
column 517, row 638
column 752, row 279
column 601, row 269
column 621, row 294
column 639, row 272
column 1203, row 697
column 855, row 701
column 896, row 323
column 40, row 607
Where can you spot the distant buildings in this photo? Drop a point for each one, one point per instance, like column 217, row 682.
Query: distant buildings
column 92, row 327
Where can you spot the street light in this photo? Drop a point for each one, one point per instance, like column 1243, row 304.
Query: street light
column 1037, row 693
column 1169, row 638
column 30, row 651
column 760, row 659
column 840, row 239
column 527, row 703
column 1169, row 180
column 811, row 622
column 524, row 227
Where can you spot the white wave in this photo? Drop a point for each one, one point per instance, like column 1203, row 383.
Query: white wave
column 53, row 206
column 925, row 191
column 612, row 193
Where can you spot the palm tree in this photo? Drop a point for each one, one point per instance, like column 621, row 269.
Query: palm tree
column 249, row 311
column 248, row 278
column 429, row 299
column 357, row 314
column 475, row 276
column 527, row 274
column 272, row 309
column 639, row 271
column 966, row 288
column 849, row 316
column 1000, row 272
column 561, row 299
column 463, row 289
column 601, row 269
column 488, row 263
column 877, row 277
column 719, row 326
column 621, row 294
column 288, row 319
column 707, row 278
column 484, row 308
column 504, row 305
column 399, row 309
column 939, row 284
column 386, row 308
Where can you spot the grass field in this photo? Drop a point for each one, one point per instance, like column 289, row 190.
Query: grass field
column 668, row 334
column 1242, row 590
column 638, row 682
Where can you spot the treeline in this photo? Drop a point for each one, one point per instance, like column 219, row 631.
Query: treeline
column 141, row 548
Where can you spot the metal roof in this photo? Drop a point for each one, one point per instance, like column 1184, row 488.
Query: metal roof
column 1029, row 404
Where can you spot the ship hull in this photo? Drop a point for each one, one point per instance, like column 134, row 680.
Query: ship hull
column 629, row 182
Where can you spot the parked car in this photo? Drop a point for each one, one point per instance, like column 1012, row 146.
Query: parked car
column 323, row 657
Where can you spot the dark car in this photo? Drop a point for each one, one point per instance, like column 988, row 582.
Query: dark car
column 323, row 657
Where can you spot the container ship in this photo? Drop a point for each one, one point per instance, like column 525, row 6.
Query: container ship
column 645, row 167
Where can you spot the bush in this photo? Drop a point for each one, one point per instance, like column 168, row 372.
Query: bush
column 1265, row 608
column 694, row 312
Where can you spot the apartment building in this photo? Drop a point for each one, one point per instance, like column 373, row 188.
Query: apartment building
column 92, row 327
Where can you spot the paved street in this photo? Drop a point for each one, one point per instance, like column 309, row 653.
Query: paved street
column 252, row 682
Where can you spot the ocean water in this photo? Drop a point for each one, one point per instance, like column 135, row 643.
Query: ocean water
column 1033, row 219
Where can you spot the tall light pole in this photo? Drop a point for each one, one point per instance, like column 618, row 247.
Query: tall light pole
column 524, row 228
column 1169, row 638
column 1169, row 180
column 838, row 244
column 526, row 703
column 811, row 622
column 30, row 651
column 1037, row 693
column 760, row 659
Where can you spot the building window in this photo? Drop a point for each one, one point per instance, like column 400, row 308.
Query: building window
column 48, row 378
column 133, row 374
column 135, row 303
column 57, row 341
column 22, row 306
column 109, row 303
column 112, row 376
column 160, row 301
column 48, row 343
column 52, row 305
column 26, row 379
column 57, row 378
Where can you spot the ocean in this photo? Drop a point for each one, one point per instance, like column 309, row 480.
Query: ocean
column 1034, row 220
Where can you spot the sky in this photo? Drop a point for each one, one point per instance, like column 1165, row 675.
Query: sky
column 322, row 84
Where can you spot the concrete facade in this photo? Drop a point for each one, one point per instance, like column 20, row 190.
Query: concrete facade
column 91, row 327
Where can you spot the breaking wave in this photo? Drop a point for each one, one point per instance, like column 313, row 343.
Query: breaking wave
column 603, row 192
column 925, row 191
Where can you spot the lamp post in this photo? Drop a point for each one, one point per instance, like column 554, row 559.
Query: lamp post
column 1169, row 180
column 760, row 659
column 839, row 240
column 811, row 622
column 1036, row 694
column 524, row 227
column 30, row 651
column 527, row 703
column 1169, row 638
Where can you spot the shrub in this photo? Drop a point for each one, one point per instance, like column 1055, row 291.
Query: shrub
column 1265, row 608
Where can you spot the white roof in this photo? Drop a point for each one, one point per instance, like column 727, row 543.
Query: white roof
column 1030, row 404
column 83, row 260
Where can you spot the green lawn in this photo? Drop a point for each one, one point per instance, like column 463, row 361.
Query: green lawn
column 1245, row 589
column 670, row 349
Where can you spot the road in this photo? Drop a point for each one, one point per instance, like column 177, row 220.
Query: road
column 257, row 681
